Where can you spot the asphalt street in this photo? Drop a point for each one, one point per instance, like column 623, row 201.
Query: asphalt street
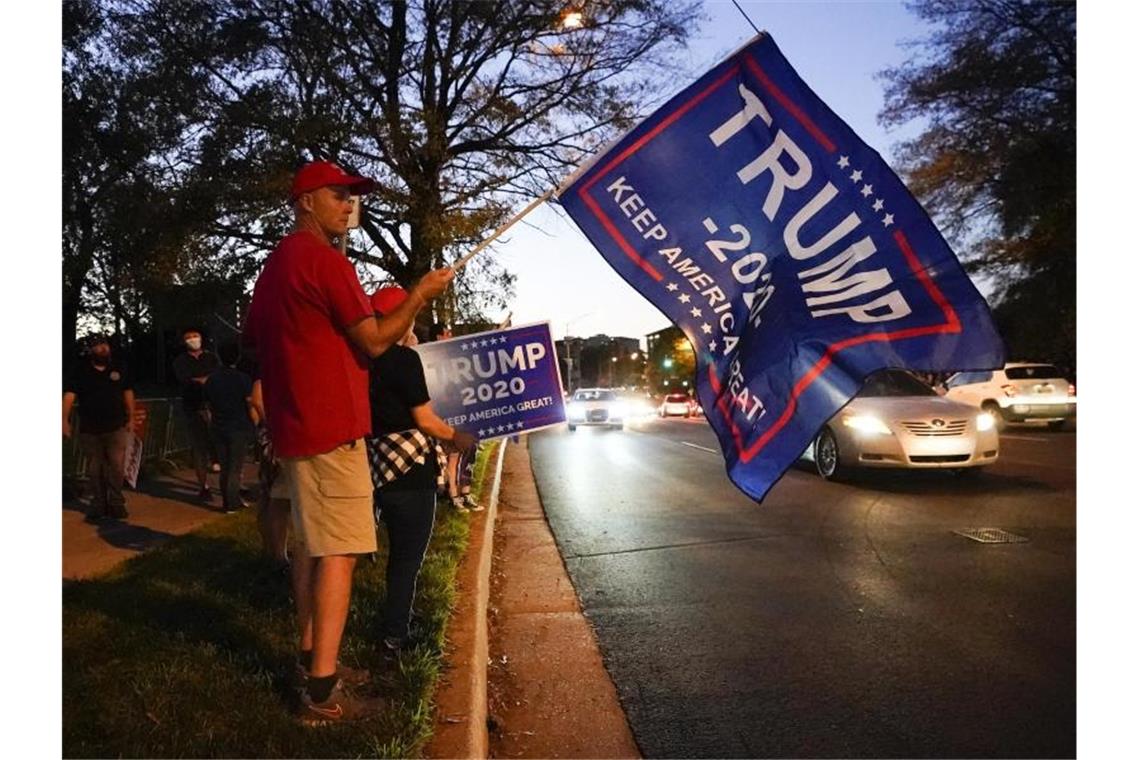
column 834, row 619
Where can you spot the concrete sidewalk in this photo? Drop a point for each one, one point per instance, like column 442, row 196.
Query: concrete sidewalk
column 524, row 675
column 164, row 507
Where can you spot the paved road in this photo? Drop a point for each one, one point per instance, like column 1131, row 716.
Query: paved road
column 832, row 620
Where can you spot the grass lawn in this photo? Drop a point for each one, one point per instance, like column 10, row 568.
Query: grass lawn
column 184, row 651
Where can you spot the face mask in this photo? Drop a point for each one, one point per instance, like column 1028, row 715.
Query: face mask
column 193, row 343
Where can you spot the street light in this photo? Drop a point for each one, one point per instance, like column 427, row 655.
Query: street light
column 569, row 359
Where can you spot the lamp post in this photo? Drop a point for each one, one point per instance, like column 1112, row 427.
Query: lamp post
column 570, row 359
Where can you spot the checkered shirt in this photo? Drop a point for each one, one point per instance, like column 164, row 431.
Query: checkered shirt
column 393, row 454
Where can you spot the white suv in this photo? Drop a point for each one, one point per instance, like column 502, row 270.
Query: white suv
column 1020, row 391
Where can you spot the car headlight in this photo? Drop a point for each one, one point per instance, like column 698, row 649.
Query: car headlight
column 867, row 424
column 574, row 409
column 985, row 422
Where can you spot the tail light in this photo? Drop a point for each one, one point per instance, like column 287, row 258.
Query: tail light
column 1009, row 391
column 1072, row 389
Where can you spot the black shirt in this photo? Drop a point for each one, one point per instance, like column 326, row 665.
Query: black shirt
column 395, row 386
column 100, row 396
column 227, row 390
column 187, row 367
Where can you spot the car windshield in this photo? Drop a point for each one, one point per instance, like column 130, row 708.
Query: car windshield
column 1032, row 372
column 894, row 382
column 594, row 396
column 676, row 398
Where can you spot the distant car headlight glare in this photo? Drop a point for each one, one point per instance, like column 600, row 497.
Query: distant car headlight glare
column 617, row 410
column 985, row 422
column 867, row 424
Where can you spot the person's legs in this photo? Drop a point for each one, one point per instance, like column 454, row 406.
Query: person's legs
column 231, row 449
column 115, row 459
column 453, row 475
column 96, row 466
column 409, row 517
column 332, row 589
column 302, row 571
column 199, row 445
column 331, row 497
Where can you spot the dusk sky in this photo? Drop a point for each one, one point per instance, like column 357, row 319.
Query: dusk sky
column 836, row 47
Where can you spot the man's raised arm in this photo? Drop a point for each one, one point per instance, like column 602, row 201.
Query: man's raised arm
column 376, row 335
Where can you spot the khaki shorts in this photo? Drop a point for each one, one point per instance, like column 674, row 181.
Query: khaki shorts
column 332, row 501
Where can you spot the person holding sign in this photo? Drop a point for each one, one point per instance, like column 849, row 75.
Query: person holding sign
column 313, row 329
column 405, row 465
column 106, row 409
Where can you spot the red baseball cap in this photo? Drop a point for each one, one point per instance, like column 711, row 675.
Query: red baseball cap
column 387, row 300
column 319, row 174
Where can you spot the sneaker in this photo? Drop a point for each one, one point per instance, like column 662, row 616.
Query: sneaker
column 341, row 706
column 345, row 674
column 472, row 505
column 457, row 502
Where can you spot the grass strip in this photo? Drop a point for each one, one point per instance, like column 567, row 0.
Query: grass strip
column 184, row 651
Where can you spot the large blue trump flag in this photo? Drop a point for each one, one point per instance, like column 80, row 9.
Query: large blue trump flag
column 789, row 253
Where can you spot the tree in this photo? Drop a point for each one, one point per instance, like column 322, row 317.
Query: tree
column 459, row 109
column 996, row 163
column 131, row 220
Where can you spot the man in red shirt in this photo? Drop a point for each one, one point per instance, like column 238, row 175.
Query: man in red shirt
column 314, row 330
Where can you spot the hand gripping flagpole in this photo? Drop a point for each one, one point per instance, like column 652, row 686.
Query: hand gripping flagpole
column 503, row 228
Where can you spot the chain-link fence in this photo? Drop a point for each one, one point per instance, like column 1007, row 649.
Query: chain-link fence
column 165, row 433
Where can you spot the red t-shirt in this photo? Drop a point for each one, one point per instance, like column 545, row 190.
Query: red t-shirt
column 315, row 383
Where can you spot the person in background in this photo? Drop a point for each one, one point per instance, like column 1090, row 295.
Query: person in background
column 106, row 409
column 405, row 465
column 228, row 390
column 455, row 486
column 273, row 492
column 192, row 368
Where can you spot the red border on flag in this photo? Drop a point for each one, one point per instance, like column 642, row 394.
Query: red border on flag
column 951, row 325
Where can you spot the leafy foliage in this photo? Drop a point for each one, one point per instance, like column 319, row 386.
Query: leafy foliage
column 996, row 164
column 459, row 109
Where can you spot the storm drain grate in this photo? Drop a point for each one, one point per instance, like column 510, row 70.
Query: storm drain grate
column 992, row 536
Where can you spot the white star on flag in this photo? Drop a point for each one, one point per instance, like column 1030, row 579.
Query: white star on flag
column 501, row 428
column 888, row 220
column 503, row 339
column 706, row 328
column 866, row 191
column 843, row 162
column 671, row 286
column 695, row 311
column 856, row 175
column 462, row 346
column 878, row 204
column 482, row 433
column 712, row 345
column 683, row 298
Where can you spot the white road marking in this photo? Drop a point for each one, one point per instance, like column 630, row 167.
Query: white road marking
column 702, row 448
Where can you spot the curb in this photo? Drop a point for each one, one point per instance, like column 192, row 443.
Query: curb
column 461, row 698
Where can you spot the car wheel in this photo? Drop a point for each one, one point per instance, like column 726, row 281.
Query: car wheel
column 573, row 428
column 827, row 455
column 1057, row 425
column 995, row 412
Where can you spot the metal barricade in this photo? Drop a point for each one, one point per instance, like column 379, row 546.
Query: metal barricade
column 165, row 435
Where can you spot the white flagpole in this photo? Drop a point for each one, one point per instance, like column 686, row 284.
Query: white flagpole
column 503, row 228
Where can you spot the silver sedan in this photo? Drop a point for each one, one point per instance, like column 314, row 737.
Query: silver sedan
column 896, row 420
